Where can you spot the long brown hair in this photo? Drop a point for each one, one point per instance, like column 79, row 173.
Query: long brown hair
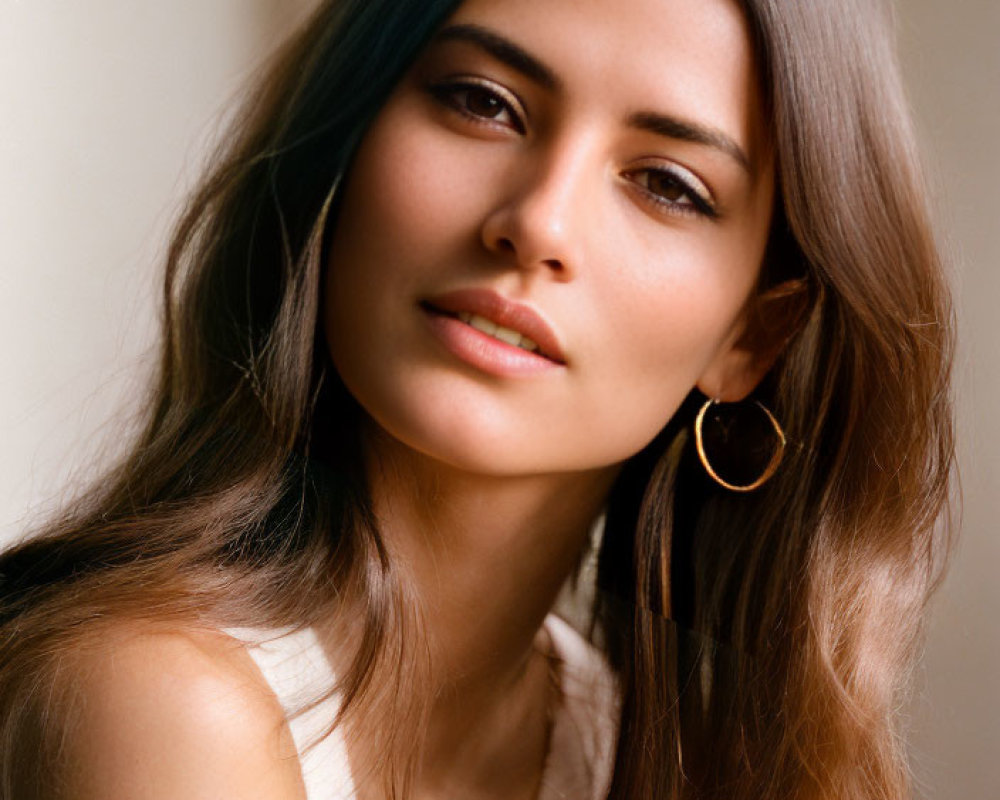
column 762, row 640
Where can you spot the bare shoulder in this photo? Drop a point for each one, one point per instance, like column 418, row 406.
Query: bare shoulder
column 167, row 713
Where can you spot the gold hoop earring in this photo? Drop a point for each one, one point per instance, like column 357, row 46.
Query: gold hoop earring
column 769, row 470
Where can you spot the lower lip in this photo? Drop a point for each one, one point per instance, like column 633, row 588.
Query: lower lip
column 485, row 352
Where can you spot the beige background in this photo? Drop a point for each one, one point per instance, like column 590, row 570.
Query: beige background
column 951, row 58
column 106, row 107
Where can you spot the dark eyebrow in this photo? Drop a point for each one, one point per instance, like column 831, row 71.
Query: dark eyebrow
column 503, row 50
column 519, row 59
column 686, row 131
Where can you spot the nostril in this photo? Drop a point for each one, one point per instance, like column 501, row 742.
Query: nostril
column 506, row 244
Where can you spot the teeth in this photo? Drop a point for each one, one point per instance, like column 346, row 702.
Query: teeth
column 492, row 329
column 483, row 324
column 509, row 336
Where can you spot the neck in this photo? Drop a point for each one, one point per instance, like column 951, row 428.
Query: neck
column 486, row 557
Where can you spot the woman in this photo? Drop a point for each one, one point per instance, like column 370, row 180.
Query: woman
column 467, row 278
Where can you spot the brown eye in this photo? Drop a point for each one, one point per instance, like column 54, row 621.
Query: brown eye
column 668, row 187
column 675, row 189
column 483, row 103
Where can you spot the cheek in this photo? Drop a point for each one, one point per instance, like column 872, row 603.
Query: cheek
column 388, row 205
column 669, row 314
column 391, row 227
column 677, row 309
column 413, row 181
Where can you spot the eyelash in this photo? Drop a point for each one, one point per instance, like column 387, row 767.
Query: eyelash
column 696, row 204
column 450, row 95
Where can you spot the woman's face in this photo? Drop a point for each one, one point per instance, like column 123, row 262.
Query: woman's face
column 591, row 174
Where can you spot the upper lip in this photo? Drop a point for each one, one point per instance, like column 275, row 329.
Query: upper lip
column 505, row 313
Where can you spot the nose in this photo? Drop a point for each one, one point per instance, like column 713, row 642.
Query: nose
column 539, row 222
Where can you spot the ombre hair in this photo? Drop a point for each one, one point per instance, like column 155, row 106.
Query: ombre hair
column 763, row 641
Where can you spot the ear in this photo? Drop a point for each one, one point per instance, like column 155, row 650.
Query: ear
column 769, row 321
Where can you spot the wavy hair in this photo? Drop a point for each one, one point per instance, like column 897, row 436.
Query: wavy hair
column 763, row 640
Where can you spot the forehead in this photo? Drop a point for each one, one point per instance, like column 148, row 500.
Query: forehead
column 687, row 57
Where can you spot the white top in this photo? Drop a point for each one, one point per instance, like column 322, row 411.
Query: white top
column 584, row 726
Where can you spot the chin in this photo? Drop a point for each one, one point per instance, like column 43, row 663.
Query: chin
column 493, row 442
column 459, row 438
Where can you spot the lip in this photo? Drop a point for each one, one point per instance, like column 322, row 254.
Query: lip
column 505, row 313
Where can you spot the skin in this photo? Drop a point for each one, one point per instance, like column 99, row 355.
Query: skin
column 647, row 300
column 486, row 486
column 545, row 195
column 152, row 714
